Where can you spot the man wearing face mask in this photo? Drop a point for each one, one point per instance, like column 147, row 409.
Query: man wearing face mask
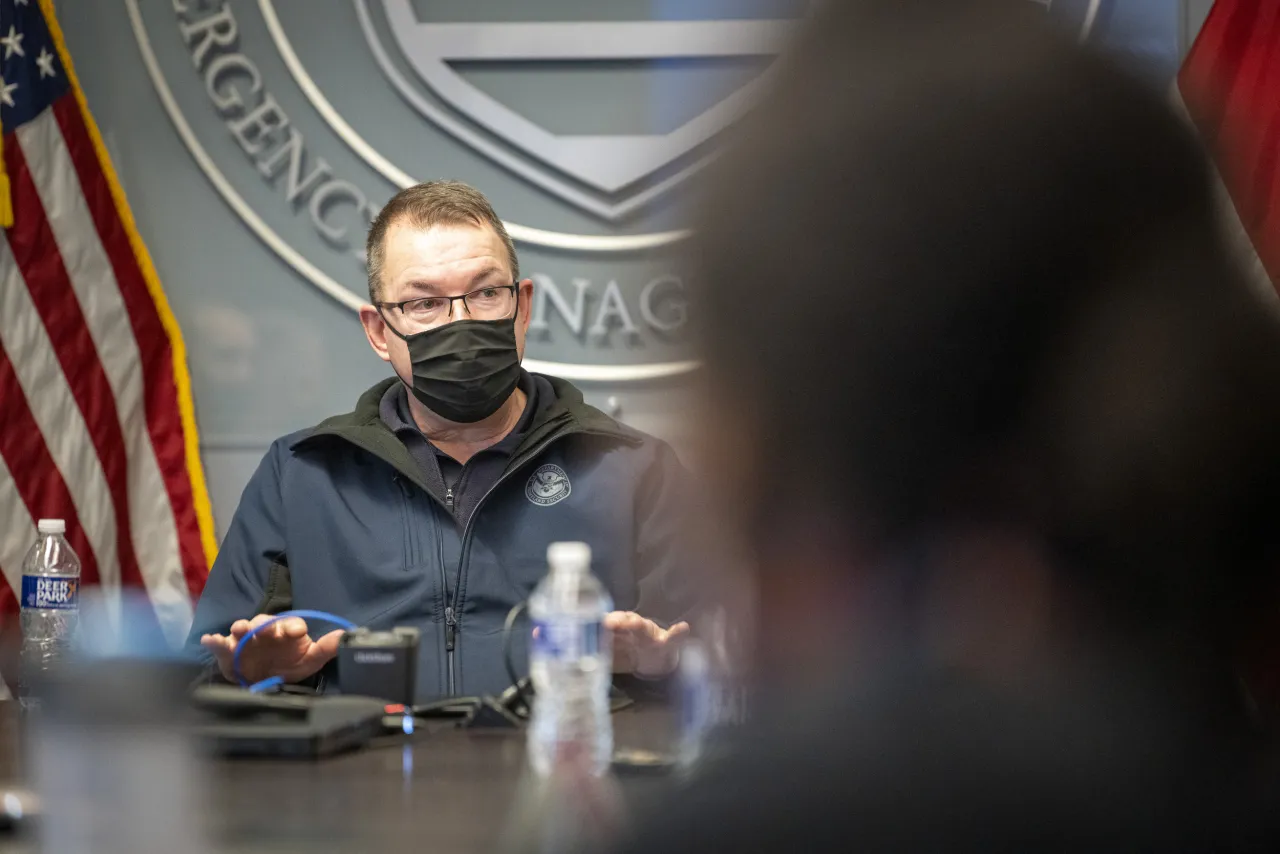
column 433, row 502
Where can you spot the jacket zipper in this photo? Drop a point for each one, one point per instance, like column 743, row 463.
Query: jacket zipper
column 450, row 643
column 451, row 612
column 450, row 616
column 450, row 619
column 453, row 607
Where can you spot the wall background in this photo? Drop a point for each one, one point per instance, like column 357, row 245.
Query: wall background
column 268, row 352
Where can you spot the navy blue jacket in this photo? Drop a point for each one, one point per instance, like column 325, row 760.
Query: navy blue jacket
column 339, row 518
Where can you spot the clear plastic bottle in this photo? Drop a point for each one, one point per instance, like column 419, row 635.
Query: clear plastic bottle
column 572, row 665
column 713, row 685
column 695, row 702
column 50, row 604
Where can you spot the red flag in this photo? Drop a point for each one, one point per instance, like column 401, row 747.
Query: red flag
column 96, row 419
column 1230, row 84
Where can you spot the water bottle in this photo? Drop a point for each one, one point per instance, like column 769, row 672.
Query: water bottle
column 50, row 605
column 572, row 665
column 713, row 687
column 696, row 698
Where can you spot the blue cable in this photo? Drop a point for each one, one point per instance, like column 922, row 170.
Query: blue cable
column 304, row 613
column 266, row 684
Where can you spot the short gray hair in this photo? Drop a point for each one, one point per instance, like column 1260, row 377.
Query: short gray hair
column 425, row 205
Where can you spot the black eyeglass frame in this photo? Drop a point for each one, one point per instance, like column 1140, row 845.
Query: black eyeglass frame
column 399, row 306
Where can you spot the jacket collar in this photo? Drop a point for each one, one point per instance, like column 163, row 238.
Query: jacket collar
column 568, row 414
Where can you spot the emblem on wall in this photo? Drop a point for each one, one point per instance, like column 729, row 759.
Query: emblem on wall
column 307, row 115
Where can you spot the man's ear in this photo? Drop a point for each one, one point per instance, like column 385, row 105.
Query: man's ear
column 375, row 329
column 525, row 296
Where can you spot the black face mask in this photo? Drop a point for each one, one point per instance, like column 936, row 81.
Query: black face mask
column 465, row 370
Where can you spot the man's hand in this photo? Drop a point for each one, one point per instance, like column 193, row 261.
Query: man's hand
column 641, row 646
column 282, row 649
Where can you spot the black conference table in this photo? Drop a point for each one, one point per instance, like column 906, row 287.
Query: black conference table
column 442, row 789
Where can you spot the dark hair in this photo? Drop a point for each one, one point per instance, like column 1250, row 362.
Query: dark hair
column 428, row 204
column 1008, row 299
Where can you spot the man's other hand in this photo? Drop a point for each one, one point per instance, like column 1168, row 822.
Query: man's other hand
column 641, row 646
column 282, row 649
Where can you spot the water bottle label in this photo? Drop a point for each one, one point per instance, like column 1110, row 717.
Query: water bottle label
column 59, row 592
column 568, row 639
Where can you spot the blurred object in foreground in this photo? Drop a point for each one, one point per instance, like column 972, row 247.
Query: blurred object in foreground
column 98, row 426
column 120, row 626
column 50, row 605
column 110, row 751
column 565, row 812
column 713, row 687
column 1230, row 87
column 570, row 731
column 997, row 419
column 695, row 701
column 115, row 767
column 1230, row 84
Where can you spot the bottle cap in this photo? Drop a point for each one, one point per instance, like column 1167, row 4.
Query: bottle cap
column 51, row 526
column 569, row 555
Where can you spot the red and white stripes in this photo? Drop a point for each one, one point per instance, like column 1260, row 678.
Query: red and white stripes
column 92, row 385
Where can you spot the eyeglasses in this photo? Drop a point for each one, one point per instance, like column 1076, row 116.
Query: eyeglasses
column 494, row 302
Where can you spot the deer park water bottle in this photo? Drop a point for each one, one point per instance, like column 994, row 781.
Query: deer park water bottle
column 50, row 605
column 571, row 664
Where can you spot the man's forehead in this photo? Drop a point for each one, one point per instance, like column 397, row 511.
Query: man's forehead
column 446, row 252
column 445, row 242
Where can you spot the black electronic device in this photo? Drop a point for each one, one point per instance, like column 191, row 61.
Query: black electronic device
column 236, row 722
column 380, row 664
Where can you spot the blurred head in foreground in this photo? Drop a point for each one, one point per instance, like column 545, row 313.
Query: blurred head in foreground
column 984, row 378
column 997, row 418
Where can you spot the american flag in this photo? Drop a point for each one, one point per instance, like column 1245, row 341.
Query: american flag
column 1230, row 84
column 96, row 419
